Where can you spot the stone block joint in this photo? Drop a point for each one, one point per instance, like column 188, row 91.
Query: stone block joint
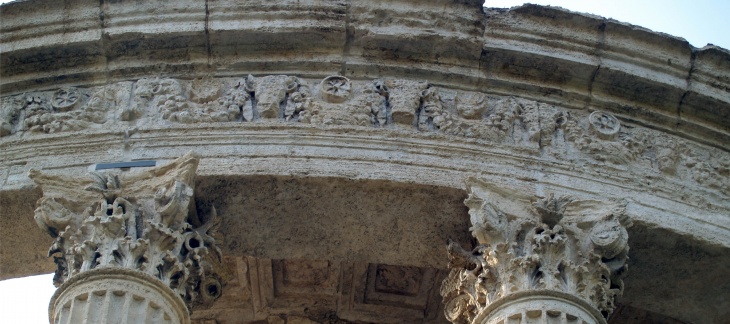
column 537, row 258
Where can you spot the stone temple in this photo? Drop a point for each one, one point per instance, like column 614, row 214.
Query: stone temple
column 340, row 161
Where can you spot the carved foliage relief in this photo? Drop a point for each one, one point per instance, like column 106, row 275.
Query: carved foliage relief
column 392, row 104
column 50, row 112
column 574, row 247
column 139, row 222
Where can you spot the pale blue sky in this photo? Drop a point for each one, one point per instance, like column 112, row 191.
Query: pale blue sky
column 700, row 22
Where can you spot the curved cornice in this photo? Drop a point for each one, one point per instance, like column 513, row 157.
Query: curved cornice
column 542, row 53
column 509, row 95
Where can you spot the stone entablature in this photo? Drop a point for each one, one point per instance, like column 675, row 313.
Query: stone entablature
column 328, row 92
column 539, row 53
column 390, row 104
column 603, row 144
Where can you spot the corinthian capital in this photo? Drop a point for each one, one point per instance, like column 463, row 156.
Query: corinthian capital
column 144, row 222
column 551, row 257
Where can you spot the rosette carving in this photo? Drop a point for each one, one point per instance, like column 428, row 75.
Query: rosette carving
column 65, row 99
column 555, row 246
column 141, row 222
column 335, row 88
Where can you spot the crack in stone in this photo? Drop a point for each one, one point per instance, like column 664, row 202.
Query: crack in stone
column 102, row 43
column 349, row 36
column 598, row 52
column 688, row 81
column 207, row 33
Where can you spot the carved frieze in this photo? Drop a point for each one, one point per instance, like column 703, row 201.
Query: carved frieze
column 393, row 104
column 182, row 103
column 335, row 89
column 604, row 124
column 553, row 248
column 274, row 91
column 471, row 105
column 141, row 222
column 404, row 100
column 431, row 114
column 49, row 112
column 364, row 106
column 237, row 101
column 602, row 138
column 10, row 111
column 65, row 99
column 377, row 101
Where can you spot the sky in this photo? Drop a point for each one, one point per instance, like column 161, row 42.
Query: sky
column 700, row 22
column 25, row 300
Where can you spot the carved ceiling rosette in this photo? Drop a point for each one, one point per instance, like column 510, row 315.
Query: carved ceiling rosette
column 142, row 221
column 554, row 258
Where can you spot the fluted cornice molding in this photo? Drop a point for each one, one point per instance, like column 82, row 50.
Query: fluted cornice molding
column 562, row 256
column 142, row 221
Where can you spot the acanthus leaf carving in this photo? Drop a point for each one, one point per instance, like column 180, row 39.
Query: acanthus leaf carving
column 526, row 246
column 139, row 222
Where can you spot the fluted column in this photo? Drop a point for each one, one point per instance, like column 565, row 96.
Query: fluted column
column 538, row 260
column 129, row 248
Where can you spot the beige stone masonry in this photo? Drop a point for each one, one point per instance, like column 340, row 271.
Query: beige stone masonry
column 335, row 138
column 116, row 295
column 126, row 248
column 547, row 260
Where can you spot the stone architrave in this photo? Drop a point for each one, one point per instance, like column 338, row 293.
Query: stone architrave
column 549, row 260
column 129, row 247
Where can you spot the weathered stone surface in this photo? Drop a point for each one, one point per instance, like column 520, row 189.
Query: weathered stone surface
column 129, row 235
column 589, row 138
column 303, row 37
column 380, row 109
column 589, row 61
column 557, row 257
column 22, row 251
column 346, row 220
column 325, row 291
column 116, row 295
column 595, row 62
column 653, row 261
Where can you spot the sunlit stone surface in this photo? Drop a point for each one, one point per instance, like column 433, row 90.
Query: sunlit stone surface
column 335, row 140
